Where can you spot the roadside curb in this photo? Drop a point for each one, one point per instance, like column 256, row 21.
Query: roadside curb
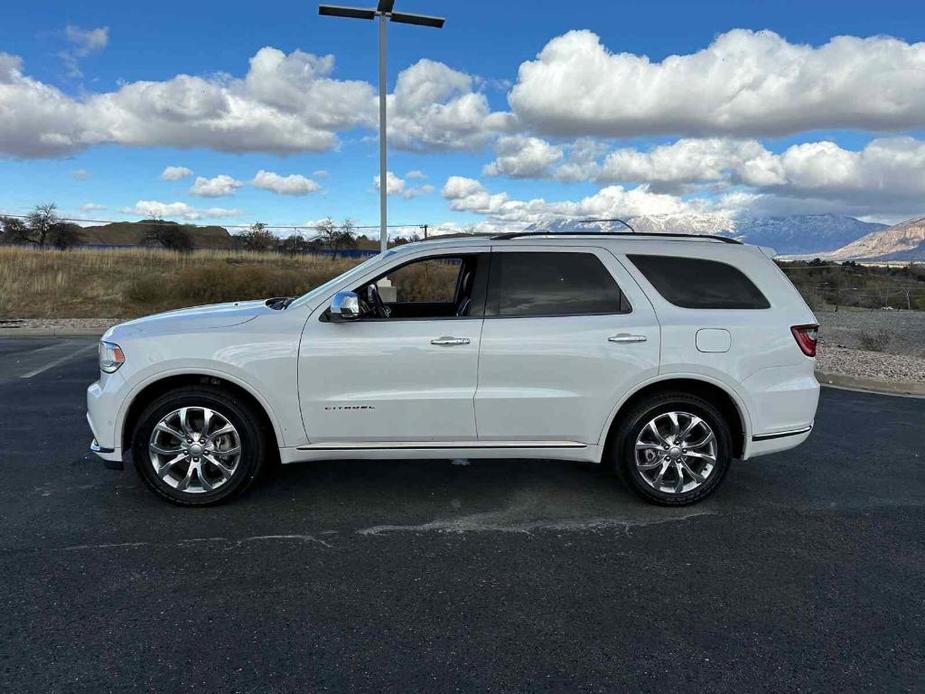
column 52, row 332
column 870, row 385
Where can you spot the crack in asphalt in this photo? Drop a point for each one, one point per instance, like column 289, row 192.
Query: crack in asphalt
column 488, row 522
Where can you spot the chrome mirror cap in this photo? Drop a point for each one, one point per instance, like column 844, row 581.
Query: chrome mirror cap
column 344, row 306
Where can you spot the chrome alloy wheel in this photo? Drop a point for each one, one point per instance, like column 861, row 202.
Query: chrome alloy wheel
column 195, row 449
column 676, row 452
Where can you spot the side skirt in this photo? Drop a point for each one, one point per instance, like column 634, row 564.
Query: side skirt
column 398, row 450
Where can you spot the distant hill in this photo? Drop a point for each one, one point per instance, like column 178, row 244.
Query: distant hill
column 802, row 234
column 903, row 241
column 788, row 235
column 133, row 234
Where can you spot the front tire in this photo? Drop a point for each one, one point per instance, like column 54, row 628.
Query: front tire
column 673, row 449
column 198, row 446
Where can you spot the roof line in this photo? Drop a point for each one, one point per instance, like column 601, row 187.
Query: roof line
column 521, row 234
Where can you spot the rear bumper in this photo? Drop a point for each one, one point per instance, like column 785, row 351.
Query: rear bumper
column 765, row 444
column 783, row 408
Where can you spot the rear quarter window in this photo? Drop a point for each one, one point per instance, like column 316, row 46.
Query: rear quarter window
column 699, row 283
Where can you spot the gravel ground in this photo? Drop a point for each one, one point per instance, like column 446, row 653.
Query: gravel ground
column 903, row 331
column 877, row 366
column 901, row 361
column 902, row 336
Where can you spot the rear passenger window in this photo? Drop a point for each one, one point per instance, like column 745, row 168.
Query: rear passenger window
column 698, row 283
column 552, row 284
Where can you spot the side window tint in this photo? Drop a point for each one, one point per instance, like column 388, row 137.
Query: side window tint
column 553, row 284
column 699, row 283
column 426, row 281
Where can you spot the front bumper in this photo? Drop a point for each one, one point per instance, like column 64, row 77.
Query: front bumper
column 102, row 407
column 111, row 459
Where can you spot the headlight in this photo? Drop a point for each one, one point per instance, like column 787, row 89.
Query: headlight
column 111, row 357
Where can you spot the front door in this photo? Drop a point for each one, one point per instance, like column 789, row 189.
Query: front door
column 407, row 374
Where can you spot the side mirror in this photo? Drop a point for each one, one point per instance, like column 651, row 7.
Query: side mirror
column 344, row 307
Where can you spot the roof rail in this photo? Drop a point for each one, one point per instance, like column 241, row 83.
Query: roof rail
column 669, row 234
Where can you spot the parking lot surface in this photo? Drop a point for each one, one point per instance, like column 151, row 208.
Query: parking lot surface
column 805, row 571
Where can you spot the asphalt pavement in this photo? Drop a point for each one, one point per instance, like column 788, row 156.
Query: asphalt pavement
column 806, row 571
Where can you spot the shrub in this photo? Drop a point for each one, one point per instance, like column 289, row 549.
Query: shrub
column 875, row 341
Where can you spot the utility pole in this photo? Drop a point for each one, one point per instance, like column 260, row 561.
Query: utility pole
column 424, row 227
column 384, row 11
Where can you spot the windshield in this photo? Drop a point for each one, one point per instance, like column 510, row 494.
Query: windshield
column 352, row 272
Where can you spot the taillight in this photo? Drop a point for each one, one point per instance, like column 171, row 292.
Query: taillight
column 806, row 337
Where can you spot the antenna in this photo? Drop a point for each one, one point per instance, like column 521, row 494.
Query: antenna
column 614, row 219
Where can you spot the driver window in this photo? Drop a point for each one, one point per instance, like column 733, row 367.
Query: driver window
column 426, row 281
column 434, row 287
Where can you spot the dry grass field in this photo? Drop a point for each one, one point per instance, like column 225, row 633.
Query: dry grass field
column 125, row 283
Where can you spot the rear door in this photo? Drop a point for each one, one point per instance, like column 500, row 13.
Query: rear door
column 567, row 332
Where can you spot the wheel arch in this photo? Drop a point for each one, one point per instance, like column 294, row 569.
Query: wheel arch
column 728, row 403
column 157, row 387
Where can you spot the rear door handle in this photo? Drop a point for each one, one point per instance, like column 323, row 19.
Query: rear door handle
column 626, row 337
column 447, row 340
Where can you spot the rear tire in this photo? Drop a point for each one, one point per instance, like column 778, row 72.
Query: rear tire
column 198, row 445
column 672, row 449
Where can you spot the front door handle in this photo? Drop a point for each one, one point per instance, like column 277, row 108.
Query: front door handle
column 447, row 340
column 626, row 337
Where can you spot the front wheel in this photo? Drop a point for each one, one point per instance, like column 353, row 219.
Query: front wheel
column 673, row 449
column 198, row 446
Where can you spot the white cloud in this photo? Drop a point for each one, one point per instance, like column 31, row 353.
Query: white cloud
column 396, row 185
column 469, row 195
column 294, row 184
column 216, row 187
column 83, row 42
column 416, row 175
column 175, row 173
column 92, row 207
column 285, row 103
column 522, row 157
column 435, row 108
column 744, row 83
column 320, row 173
column 169, row 210
column 80, row 174
column 888, row 173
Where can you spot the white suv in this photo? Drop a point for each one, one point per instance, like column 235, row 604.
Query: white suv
column 664, row 356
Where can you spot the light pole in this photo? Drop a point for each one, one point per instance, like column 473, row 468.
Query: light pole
column 385, row 13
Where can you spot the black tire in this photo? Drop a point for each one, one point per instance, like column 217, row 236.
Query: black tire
column 253, row 442
column 623, row 448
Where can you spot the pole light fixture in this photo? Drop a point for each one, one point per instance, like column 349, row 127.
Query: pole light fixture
column 384, row 12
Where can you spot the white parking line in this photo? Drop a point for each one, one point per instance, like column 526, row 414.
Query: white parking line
column 59, row 360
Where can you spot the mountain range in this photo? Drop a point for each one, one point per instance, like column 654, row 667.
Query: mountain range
column 788, row 235
column 904, row 241
column 828, row 236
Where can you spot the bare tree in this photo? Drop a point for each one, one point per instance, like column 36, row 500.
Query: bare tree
column 36, row 229
column 258, row 238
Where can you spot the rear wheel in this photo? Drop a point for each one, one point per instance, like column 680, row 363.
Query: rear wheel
column 673, row 449
column 198, row 446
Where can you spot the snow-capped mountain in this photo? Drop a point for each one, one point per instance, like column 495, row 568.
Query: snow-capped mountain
column 903, row 241
column 789, row 235
column 649, row 224
column 802, row 234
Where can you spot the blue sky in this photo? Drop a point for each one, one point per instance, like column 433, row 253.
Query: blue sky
column 104, row 172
